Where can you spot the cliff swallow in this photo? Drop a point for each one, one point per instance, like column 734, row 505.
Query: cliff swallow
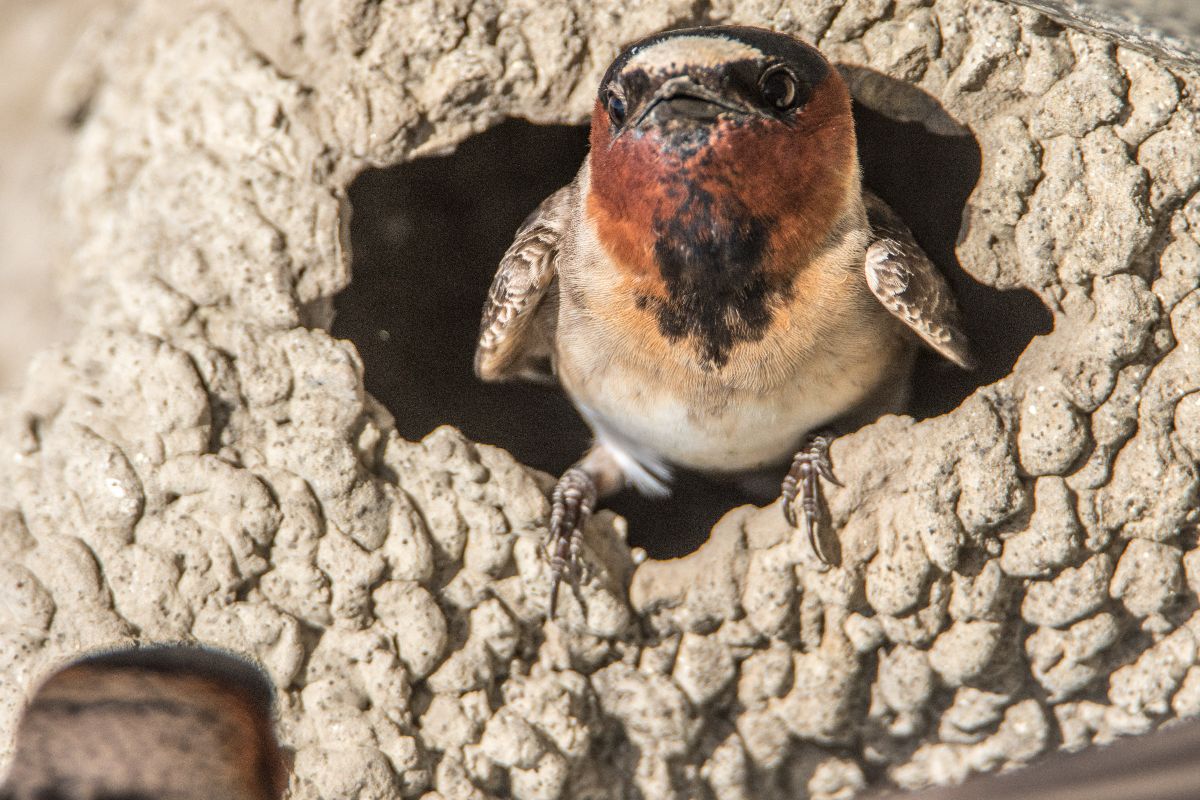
column 715, row 287
column 179, row 722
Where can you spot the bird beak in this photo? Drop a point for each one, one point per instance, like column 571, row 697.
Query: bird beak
column 681, row 98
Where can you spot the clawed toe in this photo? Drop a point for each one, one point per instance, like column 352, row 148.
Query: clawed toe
column 802, row 487
column 571, row 504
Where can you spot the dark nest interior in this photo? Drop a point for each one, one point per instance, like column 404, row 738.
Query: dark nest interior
column 427, row 236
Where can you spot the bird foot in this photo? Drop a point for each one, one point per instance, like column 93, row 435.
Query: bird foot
column 571, row 504
column 802, row 488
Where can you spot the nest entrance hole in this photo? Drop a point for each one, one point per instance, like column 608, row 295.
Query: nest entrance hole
column 427, row 236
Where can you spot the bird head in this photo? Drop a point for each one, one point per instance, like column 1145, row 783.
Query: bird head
column 720, row 157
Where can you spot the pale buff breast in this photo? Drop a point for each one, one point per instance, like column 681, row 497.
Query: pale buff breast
column 830, row 349
column 642, row 397
column 656, row 415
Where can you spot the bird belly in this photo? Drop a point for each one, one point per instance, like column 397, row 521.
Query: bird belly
column 656, row 423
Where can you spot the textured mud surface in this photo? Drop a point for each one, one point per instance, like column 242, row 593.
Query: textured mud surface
column 202, row 461
column 1163, row 28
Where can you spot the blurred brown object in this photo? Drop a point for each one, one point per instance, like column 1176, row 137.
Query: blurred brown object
column 171, row 722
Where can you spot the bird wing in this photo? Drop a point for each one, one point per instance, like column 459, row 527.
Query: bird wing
column 508, row 344
column 908, row 285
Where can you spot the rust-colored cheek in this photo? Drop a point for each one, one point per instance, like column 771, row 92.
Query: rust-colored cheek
column 628, row 192
column 800, row 176
column 796, row 179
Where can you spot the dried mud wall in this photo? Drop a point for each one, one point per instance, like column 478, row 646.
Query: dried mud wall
column 202, row 461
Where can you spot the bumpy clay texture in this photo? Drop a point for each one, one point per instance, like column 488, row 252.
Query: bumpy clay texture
column 203, row 462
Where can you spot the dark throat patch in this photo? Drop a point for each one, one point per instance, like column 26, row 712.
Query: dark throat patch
column 710, row 255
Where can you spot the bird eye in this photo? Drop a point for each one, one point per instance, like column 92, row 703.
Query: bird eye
column 616, row 107
column 779, row 88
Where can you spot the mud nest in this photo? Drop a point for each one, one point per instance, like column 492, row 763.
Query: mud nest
column 203, row 462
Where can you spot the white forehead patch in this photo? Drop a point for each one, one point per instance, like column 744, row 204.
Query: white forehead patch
column 697, row 51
